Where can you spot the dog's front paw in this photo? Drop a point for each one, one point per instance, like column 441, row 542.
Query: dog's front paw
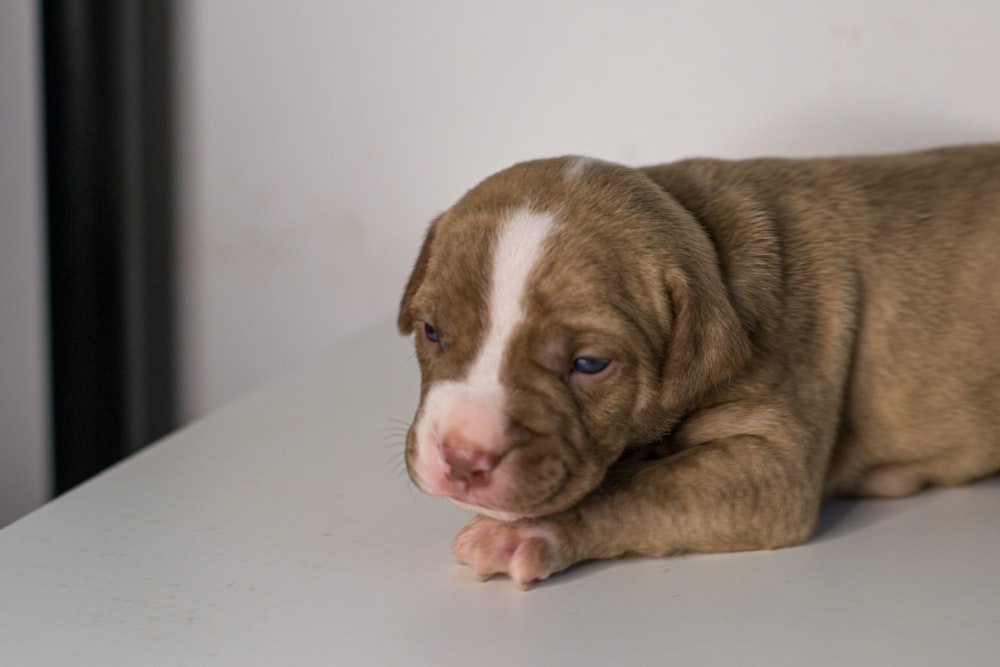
column 526, row 550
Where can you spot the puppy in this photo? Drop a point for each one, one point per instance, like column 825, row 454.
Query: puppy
column 689, row 357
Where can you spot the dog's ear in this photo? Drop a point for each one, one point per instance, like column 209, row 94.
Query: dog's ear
column 405, row 319
column 708, row 345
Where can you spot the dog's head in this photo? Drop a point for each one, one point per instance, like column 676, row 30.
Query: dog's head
column 563, row 310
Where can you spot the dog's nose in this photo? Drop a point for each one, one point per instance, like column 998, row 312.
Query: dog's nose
column 468, row 465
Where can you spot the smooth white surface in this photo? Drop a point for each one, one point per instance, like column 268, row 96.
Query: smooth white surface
column 282, row 531
column 318, row 138
column 24, row 444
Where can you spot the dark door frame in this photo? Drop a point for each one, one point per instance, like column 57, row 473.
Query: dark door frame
column 107, row 70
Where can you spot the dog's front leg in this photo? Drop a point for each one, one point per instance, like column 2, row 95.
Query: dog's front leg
column 735, row 494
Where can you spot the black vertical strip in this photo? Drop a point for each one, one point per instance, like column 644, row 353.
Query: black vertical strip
column 159, row 323
column 108, row 150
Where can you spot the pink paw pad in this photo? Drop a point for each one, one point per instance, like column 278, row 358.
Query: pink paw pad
column 524, row 550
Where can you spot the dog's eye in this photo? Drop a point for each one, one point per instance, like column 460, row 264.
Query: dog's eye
column 589, row 365
column 431, row 333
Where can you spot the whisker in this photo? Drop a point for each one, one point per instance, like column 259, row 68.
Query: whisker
column 394, row 445
column 394, row 437
column 397, row 460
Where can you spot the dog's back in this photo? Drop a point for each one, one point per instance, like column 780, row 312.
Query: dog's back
column 891, row 277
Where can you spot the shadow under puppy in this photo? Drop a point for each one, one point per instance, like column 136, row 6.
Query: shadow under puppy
column 688, row 357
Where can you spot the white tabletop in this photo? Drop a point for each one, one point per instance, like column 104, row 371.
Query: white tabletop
column 282, row 531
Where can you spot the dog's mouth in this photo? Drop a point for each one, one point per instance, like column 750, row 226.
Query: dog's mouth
column 524, row 490
column 522, row 484
column 517, row 477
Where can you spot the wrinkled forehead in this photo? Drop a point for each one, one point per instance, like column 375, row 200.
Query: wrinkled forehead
column 495, row 275
column 484, row 256
column 542, row 242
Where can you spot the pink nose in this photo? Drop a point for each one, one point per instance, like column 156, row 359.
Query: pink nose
column 468, row 465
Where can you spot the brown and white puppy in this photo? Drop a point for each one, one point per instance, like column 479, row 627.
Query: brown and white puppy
column 688, row 357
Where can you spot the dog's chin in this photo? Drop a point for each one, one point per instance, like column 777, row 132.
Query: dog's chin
column 486, row 511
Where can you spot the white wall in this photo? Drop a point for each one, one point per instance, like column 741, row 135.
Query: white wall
column 318, row 138
column 24, row 447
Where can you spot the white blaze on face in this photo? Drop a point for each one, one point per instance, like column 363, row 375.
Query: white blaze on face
column 472, row 410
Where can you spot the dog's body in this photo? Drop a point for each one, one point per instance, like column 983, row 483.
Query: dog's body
column 689, row 357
